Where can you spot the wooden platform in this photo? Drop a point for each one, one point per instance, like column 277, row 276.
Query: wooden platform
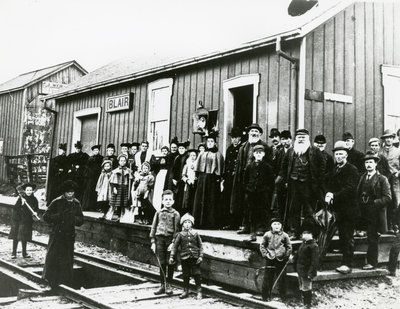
column 228, row 260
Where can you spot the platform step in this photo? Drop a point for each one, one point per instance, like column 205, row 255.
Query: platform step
column 333, row 260
column 39, row 269
column 331, row 275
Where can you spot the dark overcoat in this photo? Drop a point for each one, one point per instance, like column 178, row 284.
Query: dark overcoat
column 91, row 174
column 380, row 196
column 179, row 189
column 168, row 178
column 343, row 183
column 22, row 220
column 317, row 170
column 63, row 215
column 238, row 191
column 306, row 259
column 77, row 163
column 58, row 173
column 356, row 158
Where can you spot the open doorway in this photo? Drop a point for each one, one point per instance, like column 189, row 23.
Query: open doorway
column 242, row 106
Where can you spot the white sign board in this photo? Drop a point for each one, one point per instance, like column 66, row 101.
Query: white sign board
column 51, row 87
column 119, row 102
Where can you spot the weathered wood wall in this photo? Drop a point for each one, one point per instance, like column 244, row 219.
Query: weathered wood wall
column 344, row 55
column 276, row 100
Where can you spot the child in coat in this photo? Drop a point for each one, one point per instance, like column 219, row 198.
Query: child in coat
column 103, row 187
column 306, row 264
column 162, row 235
column 144, row 183
column 190, row 179
column 276, row 249
column 191, row 254
column 22, row 219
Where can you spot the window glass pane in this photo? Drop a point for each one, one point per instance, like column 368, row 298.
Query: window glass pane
column 161, row 104
column 159, row 133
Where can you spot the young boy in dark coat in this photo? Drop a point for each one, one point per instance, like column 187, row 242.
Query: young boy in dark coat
column 191, row 255
column 259, row 184
column 306, row 264
column 22, row 219
column 276, row 249
column 162, row 235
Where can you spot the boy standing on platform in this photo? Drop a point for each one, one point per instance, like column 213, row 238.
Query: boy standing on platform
column 259, row 184
column 191, row 255
column 162, row 235
column 276, row 249
column 306, row 264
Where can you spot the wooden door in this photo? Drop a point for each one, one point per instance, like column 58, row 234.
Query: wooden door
column 88, row 132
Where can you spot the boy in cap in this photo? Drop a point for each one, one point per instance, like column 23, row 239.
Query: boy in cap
column 191, row 254
column 162, row 235
column 374, row 197
column 306, row 264
column 259, row 184
column 22, row 219
column 276, row 249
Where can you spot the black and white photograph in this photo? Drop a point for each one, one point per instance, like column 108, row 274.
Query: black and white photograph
column 200, row 154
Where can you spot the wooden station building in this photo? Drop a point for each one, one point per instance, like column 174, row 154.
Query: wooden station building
column 338, row 71
column 24, row 125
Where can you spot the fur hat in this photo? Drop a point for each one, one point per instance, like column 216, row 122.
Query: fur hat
column 187, row 217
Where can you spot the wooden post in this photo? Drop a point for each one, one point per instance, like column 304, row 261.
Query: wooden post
column 29, row 167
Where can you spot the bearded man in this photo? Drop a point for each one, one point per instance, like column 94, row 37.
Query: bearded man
column 245, row 157
column 303, row 169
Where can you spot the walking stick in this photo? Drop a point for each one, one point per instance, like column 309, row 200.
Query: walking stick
column 280, row 274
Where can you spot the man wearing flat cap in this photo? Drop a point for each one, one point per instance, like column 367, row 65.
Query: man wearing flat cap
column 392, row 154
column 58, row 172
column 230, row 222
column 77, row 163
column 354, row 157
column 91, row 174
column 374, row 196
column 303, row 169
column 64, row 213
column 341, row 194
column 245, row 157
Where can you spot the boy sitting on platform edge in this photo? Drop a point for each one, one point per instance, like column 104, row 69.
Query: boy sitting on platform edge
column 276, row 249
column 162, row 235
column 191, row 255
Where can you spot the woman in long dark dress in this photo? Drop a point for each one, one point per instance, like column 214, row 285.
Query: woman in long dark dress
column 160, row 168
column 177, row 169
column 91, row 174
column 58, row 173
column 209, row 169
column 22, row 219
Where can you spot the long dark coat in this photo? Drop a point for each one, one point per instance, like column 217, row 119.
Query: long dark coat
column 58, row 173
column 91, row 174
column 317, row 170
column 237, row 197
column 168, row 179
column 343, row 183
column 356, row 158
column 63, row 216
column 77, row 163
column 206, row 209
column 179, row 189
column 21, row 219
column 381, row 196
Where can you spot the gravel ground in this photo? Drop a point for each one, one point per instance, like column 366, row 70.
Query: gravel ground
column 382, row 292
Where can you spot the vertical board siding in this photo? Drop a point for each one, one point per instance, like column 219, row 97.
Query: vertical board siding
column 344, row 55
column 275, row 104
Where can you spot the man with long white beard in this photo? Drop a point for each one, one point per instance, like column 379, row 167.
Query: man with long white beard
column 245, row 157
column 303, row 169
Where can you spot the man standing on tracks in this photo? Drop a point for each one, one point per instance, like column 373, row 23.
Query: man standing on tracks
column 64, row 213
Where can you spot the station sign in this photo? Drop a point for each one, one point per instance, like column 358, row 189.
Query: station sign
column 51, row 87
column 119, row 103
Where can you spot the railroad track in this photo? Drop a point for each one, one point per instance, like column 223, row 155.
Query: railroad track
column 144, row 279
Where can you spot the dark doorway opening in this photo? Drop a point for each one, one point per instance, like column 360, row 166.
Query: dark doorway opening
column 242, row 106
column 88, row 132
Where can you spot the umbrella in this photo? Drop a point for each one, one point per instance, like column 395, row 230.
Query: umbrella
column 327, row 223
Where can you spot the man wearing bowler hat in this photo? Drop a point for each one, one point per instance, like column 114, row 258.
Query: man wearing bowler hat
column 303, row 169
column 392, row 154
column 245, row 157
column 374, row 196
column 341, row 193
column 231, row 222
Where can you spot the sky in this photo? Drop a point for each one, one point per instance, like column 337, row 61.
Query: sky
column 40, row 33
